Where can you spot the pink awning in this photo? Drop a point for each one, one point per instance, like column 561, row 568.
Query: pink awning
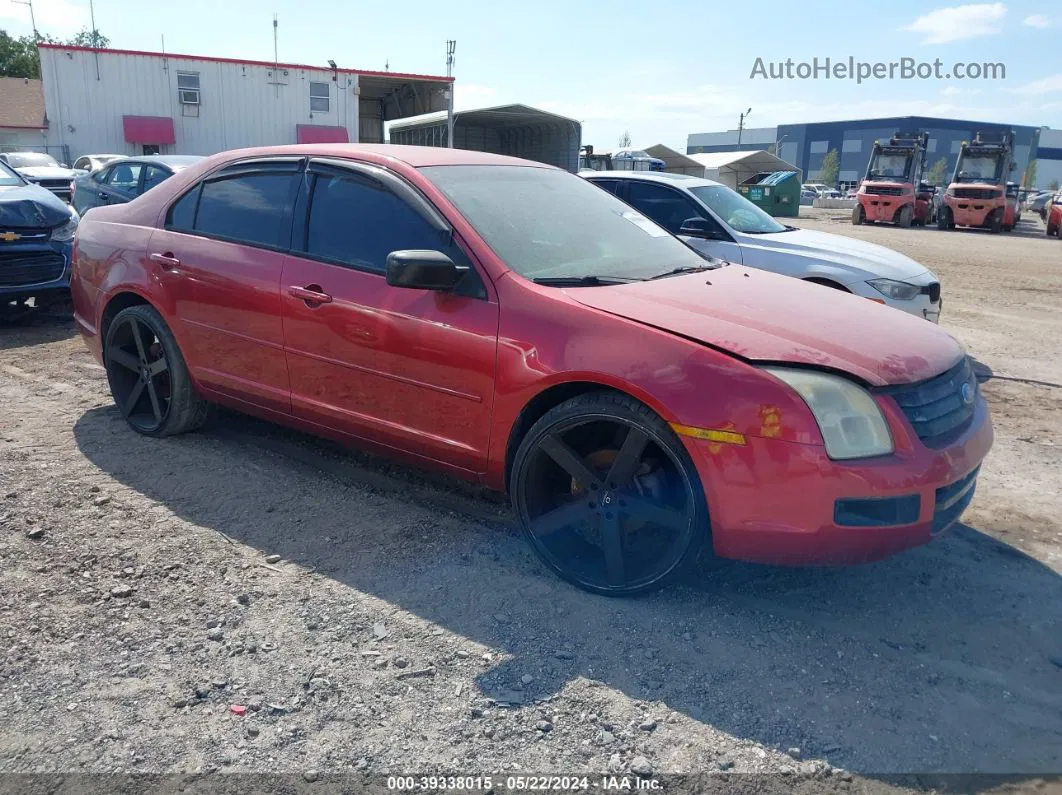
column 318, row 134
column 148, row 129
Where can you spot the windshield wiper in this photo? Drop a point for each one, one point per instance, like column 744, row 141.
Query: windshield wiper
column 683, row 269
column 588, row 280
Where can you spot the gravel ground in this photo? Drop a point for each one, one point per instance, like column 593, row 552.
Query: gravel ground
column 247, row 599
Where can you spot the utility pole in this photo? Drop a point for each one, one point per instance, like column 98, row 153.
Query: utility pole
column 741, row 124
column 451, row 46
column 95, row 38
column 36, row 35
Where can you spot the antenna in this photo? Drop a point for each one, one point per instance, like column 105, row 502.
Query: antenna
column 276, row 57
column 451, row 46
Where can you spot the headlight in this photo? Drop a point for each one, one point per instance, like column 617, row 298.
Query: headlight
column 898, row 291
column 67, row 230
column 851, row 423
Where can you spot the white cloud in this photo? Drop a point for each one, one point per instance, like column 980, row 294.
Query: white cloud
column 1036, row 21
column 955, row 91
column 60, row 18
column 959, row 22
column 1046, row 85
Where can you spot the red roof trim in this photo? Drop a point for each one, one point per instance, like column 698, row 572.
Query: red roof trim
column 242, row 62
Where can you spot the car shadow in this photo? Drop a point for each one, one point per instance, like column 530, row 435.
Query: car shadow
column 37, row 327
column 942, row 659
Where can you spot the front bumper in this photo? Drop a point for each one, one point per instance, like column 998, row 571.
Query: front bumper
column 971, row 212
column 776, row 502
column 883, row 208
column 919, row 306
column 28, row 271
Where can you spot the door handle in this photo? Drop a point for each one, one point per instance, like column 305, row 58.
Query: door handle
column 311, row 294
column 167, row 261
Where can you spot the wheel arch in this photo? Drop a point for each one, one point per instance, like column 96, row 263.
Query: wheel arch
column 123, row 299
column 553, row 395
column 826, row 282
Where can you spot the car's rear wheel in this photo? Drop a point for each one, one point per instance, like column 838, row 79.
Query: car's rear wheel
column 148, row 376
column 607, row 495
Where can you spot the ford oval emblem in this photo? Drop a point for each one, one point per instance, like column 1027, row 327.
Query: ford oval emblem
column 967, row 393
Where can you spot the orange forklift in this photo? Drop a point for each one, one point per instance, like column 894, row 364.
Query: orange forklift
column 978, row 194
column 892, row 190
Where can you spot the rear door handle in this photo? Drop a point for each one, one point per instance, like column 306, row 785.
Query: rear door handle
column 311, row 294
column 167, row 261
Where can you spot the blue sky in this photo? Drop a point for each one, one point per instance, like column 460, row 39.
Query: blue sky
column 659, row 70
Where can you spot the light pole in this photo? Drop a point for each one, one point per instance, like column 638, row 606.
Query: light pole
column 778, row 145
column 451, row 46
column 33, row 19
column 741, row 124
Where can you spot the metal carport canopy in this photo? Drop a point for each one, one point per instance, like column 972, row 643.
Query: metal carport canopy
column 731, row 168
column 516, row 130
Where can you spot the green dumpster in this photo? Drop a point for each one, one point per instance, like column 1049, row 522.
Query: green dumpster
column 775, row 192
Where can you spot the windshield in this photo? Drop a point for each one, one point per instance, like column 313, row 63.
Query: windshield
column 736, row 211
column 980, row 168
column 550, row 224
column 8, row 177
column 30, row 159
column 889, row 166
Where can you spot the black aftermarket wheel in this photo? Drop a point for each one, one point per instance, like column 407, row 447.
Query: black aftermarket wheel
column 608, row 496
column 148, row 376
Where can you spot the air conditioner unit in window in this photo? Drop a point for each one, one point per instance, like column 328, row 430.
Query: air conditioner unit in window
column 188, row 97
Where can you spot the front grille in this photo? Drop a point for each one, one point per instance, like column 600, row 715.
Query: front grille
column 26, row 234
column 878, row 190
column 951, row 501
column 976, row 193
column 24, row 268
column 933, row 291
column 935, row 408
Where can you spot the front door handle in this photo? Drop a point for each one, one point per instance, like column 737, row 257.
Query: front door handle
column 312, row 294
column 102, row 195
column 166, row 261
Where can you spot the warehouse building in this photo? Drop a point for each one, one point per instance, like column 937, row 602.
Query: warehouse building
column 131, row 102
column 805, row 145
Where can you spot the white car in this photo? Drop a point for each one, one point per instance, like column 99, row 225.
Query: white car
column 44, row 170
column 721, row 223
column 89, row 163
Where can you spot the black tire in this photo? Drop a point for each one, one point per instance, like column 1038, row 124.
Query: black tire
column 944, row 221
column 148, row 376
column 655, row 514
column 995, row 222
column 1052, row 230
column 905, row 216
column 1008, row 227
column 859, row 215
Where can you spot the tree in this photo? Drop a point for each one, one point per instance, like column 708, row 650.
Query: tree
column 1030, row 175
column 90, row 38
column 830, row 169
column 938, row 173
column 625, row 139
column 18, row 57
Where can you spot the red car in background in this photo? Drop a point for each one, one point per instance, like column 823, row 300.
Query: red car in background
column 1054, row 216
column 513, row 324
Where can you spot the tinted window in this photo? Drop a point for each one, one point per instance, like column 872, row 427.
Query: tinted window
column 182, row 214
column 124, row 177
column 667, row 207
column 250, row 208
column 358, row 222
column 153, row 175
column 611, row 185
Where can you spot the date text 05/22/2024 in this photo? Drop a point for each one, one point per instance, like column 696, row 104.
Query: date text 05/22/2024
column 608, row 783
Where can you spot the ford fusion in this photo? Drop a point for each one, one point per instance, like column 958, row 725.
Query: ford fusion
column 512, row 324
column 36, row 230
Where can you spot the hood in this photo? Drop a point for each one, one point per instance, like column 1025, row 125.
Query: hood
column 31, row 207
column 864, row 260
column 47, row 172
column 765, row 317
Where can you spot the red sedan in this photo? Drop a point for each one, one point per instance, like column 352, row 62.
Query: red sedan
column 513, row 324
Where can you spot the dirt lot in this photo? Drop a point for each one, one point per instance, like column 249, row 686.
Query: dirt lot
column 373, row 619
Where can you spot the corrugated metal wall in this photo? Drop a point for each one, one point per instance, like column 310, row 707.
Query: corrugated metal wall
column 241, row 105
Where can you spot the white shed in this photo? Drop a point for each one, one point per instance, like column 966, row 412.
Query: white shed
column 676, row 162
column 732, row 168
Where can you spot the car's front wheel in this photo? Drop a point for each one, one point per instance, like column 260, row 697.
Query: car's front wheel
column 608, row 496
column 148, row 376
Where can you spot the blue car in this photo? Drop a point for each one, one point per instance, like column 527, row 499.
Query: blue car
column 36, row 237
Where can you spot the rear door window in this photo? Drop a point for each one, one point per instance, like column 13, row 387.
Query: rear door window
column 666, row 206
column 248, row 206
column 153, row 175
column 124, row 178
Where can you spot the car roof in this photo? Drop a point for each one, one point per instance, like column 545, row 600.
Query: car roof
column 173, row 161
column 680, row 180
column 415, row 156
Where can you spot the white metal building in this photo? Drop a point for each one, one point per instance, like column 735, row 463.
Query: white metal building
column 131, row 102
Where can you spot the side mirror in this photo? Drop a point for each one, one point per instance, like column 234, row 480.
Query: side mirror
column 698, row 227
column 423, row 270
